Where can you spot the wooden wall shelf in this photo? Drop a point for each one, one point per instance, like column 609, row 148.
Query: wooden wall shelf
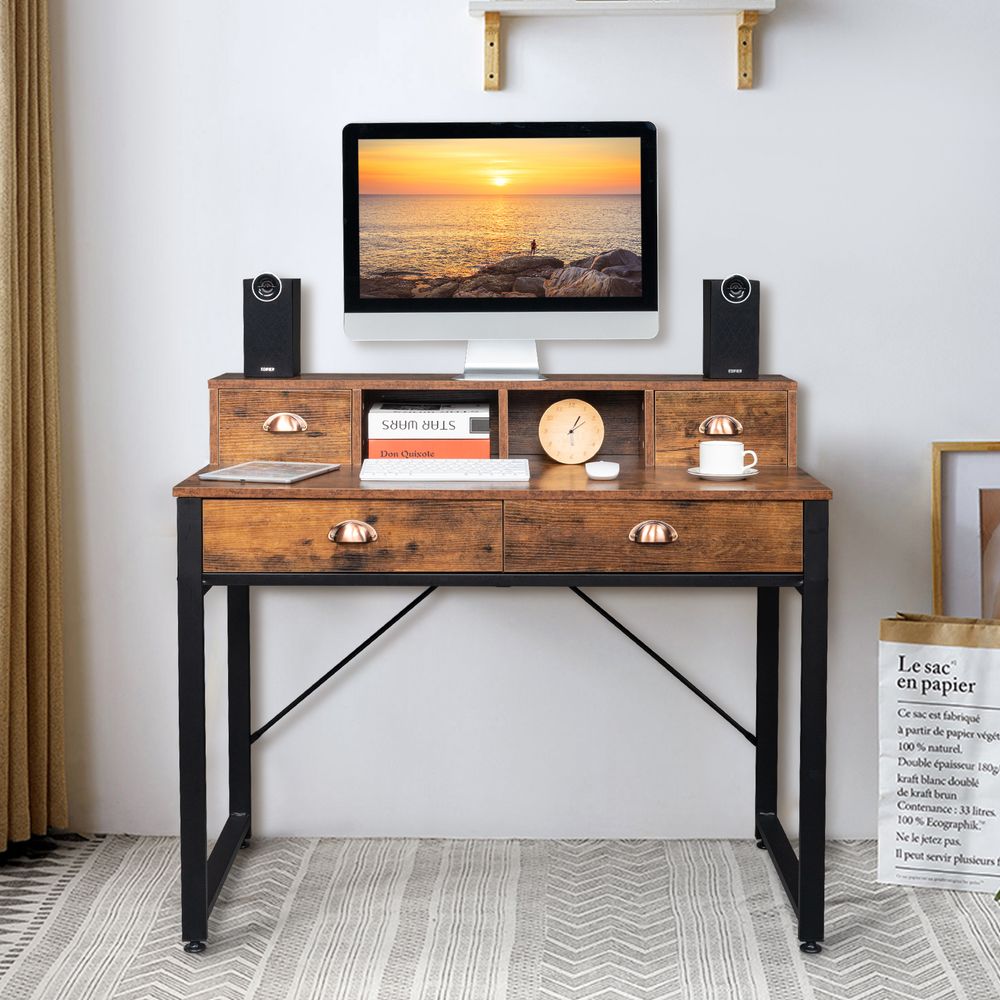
column 745, row 12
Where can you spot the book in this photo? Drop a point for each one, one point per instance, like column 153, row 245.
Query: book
column 423, row 421
column 269, row 472
column 435, row 448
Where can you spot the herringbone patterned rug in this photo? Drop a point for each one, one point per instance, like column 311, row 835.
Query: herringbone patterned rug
column 481, row 920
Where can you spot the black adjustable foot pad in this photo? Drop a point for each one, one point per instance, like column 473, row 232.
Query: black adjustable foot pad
column 761, row 846
column 194, row 946
column 811, row 947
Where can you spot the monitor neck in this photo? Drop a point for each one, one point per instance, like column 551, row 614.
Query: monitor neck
column 501, row 361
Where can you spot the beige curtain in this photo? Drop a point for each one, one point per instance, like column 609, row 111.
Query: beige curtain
column 32, row 780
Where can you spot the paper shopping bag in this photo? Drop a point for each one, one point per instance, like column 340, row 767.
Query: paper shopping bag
column 939, row 752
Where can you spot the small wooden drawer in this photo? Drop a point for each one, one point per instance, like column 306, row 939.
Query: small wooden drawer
column 762, row 414
column 584, row 536
column 292, row 536
column 303, row 426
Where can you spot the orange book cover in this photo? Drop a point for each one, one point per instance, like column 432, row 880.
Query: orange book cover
column 438, row 448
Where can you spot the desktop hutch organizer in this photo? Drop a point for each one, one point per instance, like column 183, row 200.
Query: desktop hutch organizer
column 655, row 526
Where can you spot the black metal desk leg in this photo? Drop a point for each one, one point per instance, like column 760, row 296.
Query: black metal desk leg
column 766, row 773
column 238, row 605
column 812, row 772
column 191, row 721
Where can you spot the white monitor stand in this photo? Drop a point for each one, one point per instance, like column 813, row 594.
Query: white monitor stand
column 501, row 361
column 503, row 348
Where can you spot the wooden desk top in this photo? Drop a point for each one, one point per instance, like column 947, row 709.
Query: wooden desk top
column 548, row 481
column 551, row 383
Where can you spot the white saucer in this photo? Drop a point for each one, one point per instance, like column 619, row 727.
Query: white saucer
column 723, row 477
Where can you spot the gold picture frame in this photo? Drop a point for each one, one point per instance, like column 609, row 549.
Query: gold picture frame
column 989, row 550
column 938, row 450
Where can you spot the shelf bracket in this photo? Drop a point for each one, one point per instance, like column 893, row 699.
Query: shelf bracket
column 745, row 23
column 491, row 50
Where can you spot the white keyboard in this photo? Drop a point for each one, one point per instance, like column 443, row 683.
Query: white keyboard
column 444, row 470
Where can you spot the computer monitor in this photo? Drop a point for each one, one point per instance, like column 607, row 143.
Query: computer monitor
column 500, row 235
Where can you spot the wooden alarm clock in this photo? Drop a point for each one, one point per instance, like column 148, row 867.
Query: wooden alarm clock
column 571, row 431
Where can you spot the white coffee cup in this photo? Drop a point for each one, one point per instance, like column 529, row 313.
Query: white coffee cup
column 724, row 458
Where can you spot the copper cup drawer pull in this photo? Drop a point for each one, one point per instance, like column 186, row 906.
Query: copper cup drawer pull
column 721, row 424
column 352, row 533
column 653, row 533
column 285, row 423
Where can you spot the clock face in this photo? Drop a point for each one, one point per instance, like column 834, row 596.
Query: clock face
column 571, row 431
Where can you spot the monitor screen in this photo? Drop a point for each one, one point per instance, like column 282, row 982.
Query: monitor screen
column 500, row 217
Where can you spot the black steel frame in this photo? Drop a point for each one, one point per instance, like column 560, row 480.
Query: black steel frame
column 202, row 874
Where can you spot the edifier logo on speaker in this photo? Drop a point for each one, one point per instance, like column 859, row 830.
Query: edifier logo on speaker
column 735, row 371
column 263, row 369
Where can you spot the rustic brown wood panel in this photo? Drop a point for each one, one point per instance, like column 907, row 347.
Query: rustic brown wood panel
column 213, row 426
column 649, row 428
column 357, row 422
column 423, row 381
column 549, row 481
column 793, row 428
column 290, row 536
column 591, row 536
column 495, row 426
column 764, row 416
column 503, row 424
column 620, row 411
column 242, row 413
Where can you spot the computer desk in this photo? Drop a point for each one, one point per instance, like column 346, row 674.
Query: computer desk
column 558, row 530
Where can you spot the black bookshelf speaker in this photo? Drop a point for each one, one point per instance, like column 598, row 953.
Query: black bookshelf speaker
column 732, row 327
column 271, row 326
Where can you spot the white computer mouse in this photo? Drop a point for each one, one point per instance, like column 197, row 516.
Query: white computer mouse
column 602, row 470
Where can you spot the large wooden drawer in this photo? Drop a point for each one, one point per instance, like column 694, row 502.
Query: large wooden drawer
column 763, row 414
column 589, row 536
column 291, row 536
column 243, row 413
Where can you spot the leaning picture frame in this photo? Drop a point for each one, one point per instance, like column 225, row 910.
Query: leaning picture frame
column 959, row 471
column 989, row 546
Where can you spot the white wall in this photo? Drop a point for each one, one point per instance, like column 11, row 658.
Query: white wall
column 198, row 143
